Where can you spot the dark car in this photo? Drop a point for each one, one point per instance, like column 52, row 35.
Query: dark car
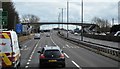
column 51, row 55
column 47, row 35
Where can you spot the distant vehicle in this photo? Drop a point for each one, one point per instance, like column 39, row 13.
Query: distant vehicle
column 47, row 35
column 24, row 29
column 102, row 34
column 10, row 49
column 77, row 30
column 51, row 55
column 71, row 32
column 76, row 34
column 117, row 33
column 37, row 36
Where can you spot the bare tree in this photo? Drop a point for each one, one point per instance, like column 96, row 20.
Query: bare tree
column 102, row 23
column 30, row 18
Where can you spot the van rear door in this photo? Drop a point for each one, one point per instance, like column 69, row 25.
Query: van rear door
column 5, row 48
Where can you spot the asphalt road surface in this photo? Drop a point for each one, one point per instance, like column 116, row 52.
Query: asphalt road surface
column 76, row 57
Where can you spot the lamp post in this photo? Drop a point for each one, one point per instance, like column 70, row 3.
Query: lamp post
column 82, row 20
column 67, row 17
column 62, row 15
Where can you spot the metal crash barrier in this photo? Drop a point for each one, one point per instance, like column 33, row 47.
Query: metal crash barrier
column 111, row 52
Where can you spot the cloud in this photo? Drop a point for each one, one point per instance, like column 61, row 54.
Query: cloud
column 48, row 11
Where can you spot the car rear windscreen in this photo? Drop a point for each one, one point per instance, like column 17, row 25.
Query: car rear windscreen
column 52, row 53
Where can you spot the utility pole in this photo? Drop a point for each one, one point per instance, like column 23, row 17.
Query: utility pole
column 82, row 20
column 62, row 17
column 67, row 17
column 59, row 20
column 113, row 21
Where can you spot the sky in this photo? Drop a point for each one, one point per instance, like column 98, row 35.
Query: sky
column 48, row 10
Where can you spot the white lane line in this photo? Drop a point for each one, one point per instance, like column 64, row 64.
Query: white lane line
column 28, row 63
column 29, row 60
column 34, row 50
column 21, row 49
column 53, row 41
column 26, row 66
column 68, row 46
column 76, row 64
column 66, row 55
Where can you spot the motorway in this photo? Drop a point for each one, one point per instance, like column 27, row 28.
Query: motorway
column 97, row 41
column 76, row 57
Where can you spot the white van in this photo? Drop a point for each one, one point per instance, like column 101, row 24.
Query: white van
column 9, row 49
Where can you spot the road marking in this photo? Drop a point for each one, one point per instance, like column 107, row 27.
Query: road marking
column 29, row 60
column 68, row 46
column 26, row 66
column 53, row 41
column 28, row 63
column 33, row 52
column 21, row 49
column 76, row 64
column 66, row 55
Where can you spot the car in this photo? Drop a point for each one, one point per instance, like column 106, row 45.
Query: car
column 117, row 33
column 76, row 34
column 51, row 55
column 37, row 36
column 9, row 50
column 47, row 35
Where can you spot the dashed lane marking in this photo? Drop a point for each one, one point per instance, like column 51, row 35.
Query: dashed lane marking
column 76, row 64
column 66, row 55
column 26, row 66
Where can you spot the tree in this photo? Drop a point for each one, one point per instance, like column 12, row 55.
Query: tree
column 30, row 18
column 102, row 23
column 12, row 15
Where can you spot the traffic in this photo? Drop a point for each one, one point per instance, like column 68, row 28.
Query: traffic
column 59, row 34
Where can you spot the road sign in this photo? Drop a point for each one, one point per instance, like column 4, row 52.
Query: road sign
column 19, row 28
column 4, row 18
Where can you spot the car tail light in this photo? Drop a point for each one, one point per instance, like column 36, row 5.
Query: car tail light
column 42, row 56
column 62, row 56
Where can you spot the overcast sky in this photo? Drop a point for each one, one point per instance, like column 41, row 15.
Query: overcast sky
column 48, row 10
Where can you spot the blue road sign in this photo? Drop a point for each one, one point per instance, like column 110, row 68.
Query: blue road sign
column 19, row 28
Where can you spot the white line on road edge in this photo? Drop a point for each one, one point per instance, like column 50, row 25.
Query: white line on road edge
column 66, row 55
column 76, row 65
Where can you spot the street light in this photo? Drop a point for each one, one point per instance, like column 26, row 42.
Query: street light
column 67, row 16
column 82, row 20
column 62, row 15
